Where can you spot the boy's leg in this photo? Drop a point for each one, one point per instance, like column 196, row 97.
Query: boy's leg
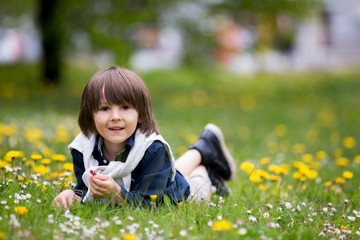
column 187, row 162
column 200, row 184
column 214, row 154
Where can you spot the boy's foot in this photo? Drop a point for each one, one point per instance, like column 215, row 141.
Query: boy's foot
column 220, row 186
column 214, row 154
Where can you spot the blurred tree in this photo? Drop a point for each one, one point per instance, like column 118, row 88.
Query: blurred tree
column 90, row 25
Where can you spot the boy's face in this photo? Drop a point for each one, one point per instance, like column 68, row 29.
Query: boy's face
column 116, row 123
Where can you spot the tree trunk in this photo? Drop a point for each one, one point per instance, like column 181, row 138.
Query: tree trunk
column 50, row 25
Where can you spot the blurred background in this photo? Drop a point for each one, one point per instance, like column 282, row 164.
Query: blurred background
column 245, row 37
column 251, row 66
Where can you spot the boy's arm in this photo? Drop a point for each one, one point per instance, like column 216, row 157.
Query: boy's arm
column 79, row 169
column 150, row 177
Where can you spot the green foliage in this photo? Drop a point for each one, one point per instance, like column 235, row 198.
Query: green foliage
column 265, row 116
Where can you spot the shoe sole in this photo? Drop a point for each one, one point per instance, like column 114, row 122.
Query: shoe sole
column 218, row 133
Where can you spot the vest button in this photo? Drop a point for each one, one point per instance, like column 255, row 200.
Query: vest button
column 105, row 161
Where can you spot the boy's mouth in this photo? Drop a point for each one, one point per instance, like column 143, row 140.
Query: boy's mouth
column 116, row 128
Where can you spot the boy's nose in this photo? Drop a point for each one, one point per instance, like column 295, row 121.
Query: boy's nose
column 116, row 114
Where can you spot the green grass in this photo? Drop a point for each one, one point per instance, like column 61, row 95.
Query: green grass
column 288, row 119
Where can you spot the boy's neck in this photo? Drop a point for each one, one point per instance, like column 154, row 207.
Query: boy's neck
column 111, row 150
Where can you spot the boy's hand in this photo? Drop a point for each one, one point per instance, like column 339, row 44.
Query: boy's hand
column 65, row 199
column 103, row 186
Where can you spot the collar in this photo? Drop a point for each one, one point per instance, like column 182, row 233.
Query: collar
column 99, row 156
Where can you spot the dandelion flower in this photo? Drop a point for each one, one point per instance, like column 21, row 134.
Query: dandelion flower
column 264, row 160
column 342, row 162
column 59, row 157
column 129, row 236
column 45, row 161
column 36, row 156
column 339, row 180
column 349, row 142
column 153, row 197
column 21, row 210
column 222, row 225
column 348, row 175
column 247, row 167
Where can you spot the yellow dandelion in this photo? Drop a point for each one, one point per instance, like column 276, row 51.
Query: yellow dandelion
column 45, row 161
column 180, row 204
column 9, row 156
column 304, row 187
column 262, row 173
column 128, row 236
column 299, row 148
column 320, row 155
column 274, row 168
column 68, row 167
column 247, row 167
column 312, row 174
column 47, row 152
column 264, row 160
column 263, row 187
column 41, row 169
column 153, row 197
column 297, row 175
column 307, row 157
column 327, row 184
column 357, row 159
column 222, row 225
column 21, row 210
column 274, row 178
column 337, row 153
column 30, row 163
column 342, row 162
column 2, row 235
column 348, row 175
column 3, row 164
column 36, row 156
column 58, row 157
column 280, row 130
column 349, row 142
column 255, row 177
column 340, row 180
column 20, row 178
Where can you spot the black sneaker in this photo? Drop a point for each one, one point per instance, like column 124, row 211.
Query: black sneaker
column 219, row 185
column 214, row 154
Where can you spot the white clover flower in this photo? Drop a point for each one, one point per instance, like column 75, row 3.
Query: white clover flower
column 242, row 231
column 346, row 201
column 252, row 218
column 269, row 205
column 13, row 221
column 288, row 205
column 219, row 217
column 357, row 232
column 209, row 223
column 330, row 204
column 304, row 204
column 355, row 212
column 183, row 233
column 248, row 211
column 325, row 209
column 311, row 220
column 333, row 209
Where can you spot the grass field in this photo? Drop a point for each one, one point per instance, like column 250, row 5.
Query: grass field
column 295, row 139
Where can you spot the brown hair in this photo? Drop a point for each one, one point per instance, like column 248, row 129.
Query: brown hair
column 117, row 85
